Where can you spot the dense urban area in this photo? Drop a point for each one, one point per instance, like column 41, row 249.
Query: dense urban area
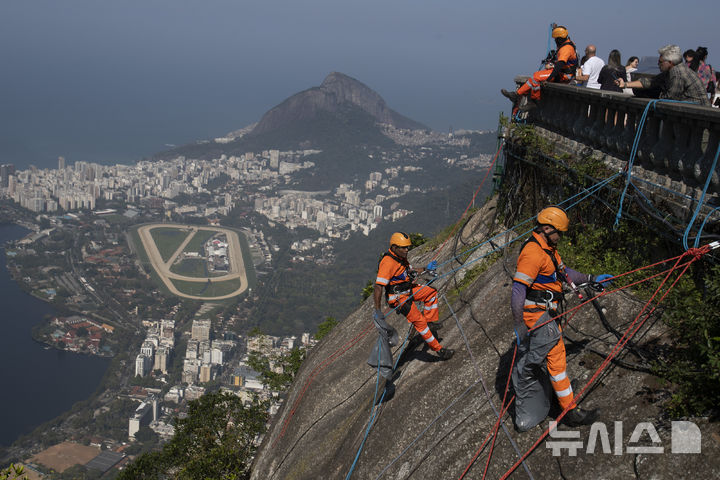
column 83, row 255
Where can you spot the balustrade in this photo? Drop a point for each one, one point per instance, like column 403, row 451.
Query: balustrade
column 678, row 140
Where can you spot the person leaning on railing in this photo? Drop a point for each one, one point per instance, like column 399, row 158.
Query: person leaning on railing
column 680, row 83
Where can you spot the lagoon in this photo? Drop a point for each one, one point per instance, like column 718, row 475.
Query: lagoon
column 38, row 383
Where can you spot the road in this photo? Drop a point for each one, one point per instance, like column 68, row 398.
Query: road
column 236, row 270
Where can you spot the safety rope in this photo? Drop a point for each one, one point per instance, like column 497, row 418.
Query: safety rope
column 575, row 309
column 589, row 191
column 583, row 194
column 472, row 201
column 699, row 234
column 634, row 149
column 422, row 433
column 319, row 368
column 701, row 202
column 482, row 381
column 503, row 408
column 375, row 409
column 695, row 255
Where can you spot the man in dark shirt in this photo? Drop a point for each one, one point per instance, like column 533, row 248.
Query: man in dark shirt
column 680, row 83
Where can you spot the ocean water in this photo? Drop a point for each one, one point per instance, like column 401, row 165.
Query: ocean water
column 38, row 384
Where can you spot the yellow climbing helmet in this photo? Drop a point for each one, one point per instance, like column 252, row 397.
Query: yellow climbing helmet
column 401, row 239
column 554, row 216
column 559, row 32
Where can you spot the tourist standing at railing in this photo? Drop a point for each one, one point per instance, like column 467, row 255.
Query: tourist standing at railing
column 590, row 70
column 704, row 71
column 611, row 72
column 630, row 67
column 680, row 82
column 689, row 56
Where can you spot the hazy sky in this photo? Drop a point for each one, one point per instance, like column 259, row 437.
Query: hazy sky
column 111, row 81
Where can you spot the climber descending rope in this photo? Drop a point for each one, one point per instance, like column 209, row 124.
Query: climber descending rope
column 645, row 313
column 396, row 278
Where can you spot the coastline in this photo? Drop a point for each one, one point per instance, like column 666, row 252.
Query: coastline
column 48, row 381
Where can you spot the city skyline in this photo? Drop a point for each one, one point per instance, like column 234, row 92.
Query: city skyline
column 116, row 83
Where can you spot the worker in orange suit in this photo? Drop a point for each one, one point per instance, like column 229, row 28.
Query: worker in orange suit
column 395, row 278
column 559, row 68
column 536, row 292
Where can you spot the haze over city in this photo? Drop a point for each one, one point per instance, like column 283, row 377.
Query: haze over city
column 118, row 81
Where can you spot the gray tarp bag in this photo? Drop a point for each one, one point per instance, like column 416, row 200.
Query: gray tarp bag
column 381, row 353
column 530, row 377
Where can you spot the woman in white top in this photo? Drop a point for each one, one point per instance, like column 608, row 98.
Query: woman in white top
column 630, row 66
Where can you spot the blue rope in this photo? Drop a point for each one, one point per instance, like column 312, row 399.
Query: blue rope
column 587, row 192
column 669, row 190
column 697, row 237
column 457, row 399
column 633, row 151
column 549, row 46
column 700, row 204
column 374, row 410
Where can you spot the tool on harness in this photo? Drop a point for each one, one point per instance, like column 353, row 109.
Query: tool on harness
column 398, row 288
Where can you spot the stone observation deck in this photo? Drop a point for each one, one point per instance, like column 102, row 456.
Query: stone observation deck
column 677, row 145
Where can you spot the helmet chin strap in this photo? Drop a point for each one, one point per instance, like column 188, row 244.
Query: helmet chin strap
column 547, row 237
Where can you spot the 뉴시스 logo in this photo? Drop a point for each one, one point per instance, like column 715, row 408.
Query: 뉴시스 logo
column 685, row 437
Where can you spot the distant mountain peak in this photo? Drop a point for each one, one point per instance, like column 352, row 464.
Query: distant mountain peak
column 337, row 92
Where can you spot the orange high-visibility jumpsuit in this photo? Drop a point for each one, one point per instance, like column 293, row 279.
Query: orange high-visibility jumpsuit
column 532, row 86
column 393, row 275
column 566, row 59
column 536, row 270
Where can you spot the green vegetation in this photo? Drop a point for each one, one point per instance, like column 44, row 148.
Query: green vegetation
column 198, row 240
column 690, row 362
column 368, row 290
column 13, row 472
column 694, row 364
column 277, row 372
column 167, row 240
column 216, row 440
column 214, row 288
column 325, row 328
column 191, row 267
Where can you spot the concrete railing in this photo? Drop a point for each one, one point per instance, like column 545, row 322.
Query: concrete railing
column 678, row 140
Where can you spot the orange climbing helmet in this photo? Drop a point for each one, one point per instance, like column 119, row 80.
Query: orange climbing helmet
column 559, row 32
column 401, row 239
column 554, row 216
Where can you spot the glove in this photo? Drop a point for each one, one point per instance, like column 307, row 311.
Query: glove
column 378, row 315
column 603, row 279
column 431, row 266
column 521, row 332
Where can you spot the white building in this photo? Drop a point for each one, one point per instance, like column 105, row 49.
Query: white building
column 142, row 365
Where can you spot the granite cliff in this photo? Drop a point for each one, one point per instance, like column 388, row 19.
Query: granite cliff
column 437, row 415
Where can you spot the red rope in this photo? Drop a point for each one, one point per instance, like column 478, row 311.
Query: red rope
column 497, row 424
column 629, row 333
column 329, row 360
column 437, row 252
column 502, row 413
column 607, row 292
column 314, row 373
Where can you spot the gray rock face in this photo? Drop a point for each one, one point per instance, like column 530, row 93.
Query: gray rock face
column 337, row 92
column 438, row 415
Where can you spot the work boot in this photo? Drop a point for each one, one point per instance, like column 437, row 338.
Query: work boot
column 445, row 353
column 577, row 416
column 513, row 96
